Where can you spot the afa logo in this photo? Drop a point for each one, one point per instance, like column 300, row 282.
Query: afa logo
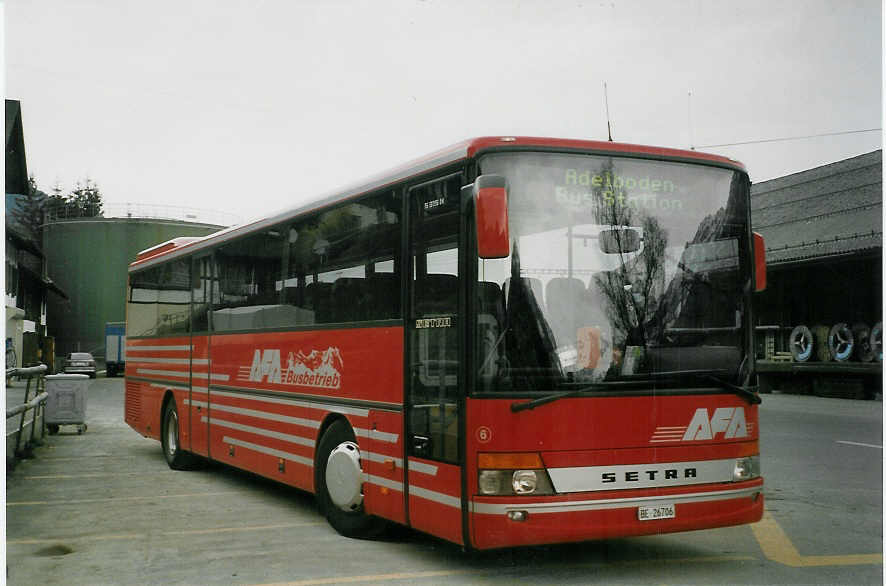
column 319, row 369
column 728, row 421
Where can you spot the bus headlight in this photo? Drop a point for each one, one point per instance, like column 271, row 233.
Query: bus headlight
column 524, row 481
column 520, row 473
column 746, row 468
column 492, row 481
column 514, row 482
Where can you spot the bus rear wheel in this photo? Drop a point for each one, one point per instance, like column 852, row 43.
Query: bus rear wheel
column 339, row 483
column 176, row 457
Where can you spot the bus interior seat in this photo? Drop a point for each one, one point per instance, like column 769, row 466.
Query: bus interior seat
column 531, row 283
column 383, row 296
column 490, row 325
column 318, row 296
column 490, row 301
column 568, row 307
column 436, row 294
column 348, row 299
column 597, row 303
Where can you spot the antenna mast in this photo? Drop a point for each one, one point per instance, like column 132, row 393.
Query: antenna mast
column 689, row 118
column 606, row 103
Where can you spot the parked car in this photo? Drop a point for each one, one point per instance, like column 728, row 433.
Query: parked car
column 80, row 363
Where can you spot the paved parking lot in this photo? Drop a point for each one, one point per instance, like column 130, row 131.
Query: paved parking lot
column 103, row 508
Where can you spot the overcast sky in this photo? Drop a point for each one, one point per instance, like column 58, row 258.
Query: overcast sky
column 249, row 107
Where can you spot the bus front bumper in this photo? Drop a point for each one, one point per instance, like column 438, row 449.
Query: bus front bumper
column 511, row 522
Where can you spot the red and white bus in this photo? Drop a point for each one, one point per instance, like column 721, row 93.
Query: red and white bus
column 511, row 341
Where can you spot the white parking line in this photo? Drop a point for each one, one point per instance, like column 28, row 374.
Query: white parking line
column 859, row 444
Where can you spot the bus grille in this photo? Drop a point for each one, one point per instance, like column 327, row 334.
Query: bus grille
column 133, row 403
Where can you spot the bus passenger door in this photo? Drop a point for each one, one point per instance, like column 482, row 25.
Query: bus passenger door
column 433, row 404
column 203, row 276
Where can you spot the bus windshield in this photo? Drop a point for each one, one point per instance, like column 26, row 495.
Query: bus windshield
column 622, row 271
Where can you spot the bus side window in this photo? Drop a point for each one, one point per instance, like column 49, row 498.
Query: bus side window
column 203, row 275
column 332, row 257
column 174, row 308
column 159, row 300
column 143, row 300
column 249, row 274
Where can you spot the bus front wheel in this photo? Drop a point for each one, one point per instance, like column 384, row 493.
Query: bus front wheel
column 339, row 483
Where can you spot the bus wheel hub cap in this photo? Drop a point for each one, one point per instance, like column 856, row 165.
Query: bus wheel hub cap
column 344, row 477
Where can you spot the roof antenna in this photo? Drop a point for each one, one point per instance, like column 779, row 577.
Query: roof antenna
column 606, row 102
column 689, row 118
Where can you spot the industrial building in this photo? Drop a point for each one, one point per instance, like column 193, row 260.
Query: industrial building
column 824, row 251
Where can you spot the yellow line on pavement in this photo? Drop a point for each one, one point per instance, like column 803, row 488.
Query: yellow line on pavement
column 777, row 546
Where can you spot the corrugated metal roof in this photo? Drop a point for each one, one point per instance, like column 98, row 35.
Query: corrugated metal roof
column 834, row 209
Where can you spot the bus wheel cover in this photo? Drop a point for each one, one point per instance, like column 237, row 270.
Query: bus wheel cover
column 176, row 457
column 339, row 483
column 344, row 477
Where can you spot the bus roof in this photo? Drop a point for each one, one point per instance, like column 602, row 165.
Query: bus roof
column 441, row 158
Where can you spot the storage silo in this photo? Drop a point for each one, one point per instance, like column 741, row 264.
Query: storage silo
column 88, row 258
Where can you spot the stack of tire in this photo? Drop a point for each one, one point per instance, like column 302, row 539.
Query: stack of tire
column 839, row 342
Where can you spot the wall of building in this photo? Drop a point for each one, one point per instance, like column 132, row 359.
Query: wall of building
column 88, row 258
column 824, row 250
column 824, row 238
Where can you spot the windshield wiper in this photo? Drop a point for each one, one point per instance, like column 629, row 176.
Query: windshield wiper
column 517, row 407
column 749, row 394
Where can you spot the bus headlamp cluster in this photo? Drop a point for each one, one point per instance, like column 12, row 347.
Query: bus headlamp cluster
column 514, row 482
column 520, row 473
column 746, row 468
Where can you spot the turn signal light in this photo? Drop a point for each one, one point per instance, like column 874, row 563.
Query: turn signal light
column 508, row 461
column 746, row 468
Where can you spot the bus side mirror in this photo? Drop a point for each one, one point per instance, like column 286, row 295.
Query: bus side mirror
column 491, row 206
column 759, row 262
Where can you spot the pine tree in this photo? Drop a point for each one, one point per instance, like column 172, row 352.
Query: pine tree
column 84, row 201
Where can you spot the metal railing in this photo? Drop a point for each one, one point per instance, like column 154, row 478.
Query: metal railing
column 35, row 404
column 145, row 211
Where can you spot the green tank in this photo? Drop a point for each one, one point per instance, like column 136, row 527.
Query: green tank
column 88, row 259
